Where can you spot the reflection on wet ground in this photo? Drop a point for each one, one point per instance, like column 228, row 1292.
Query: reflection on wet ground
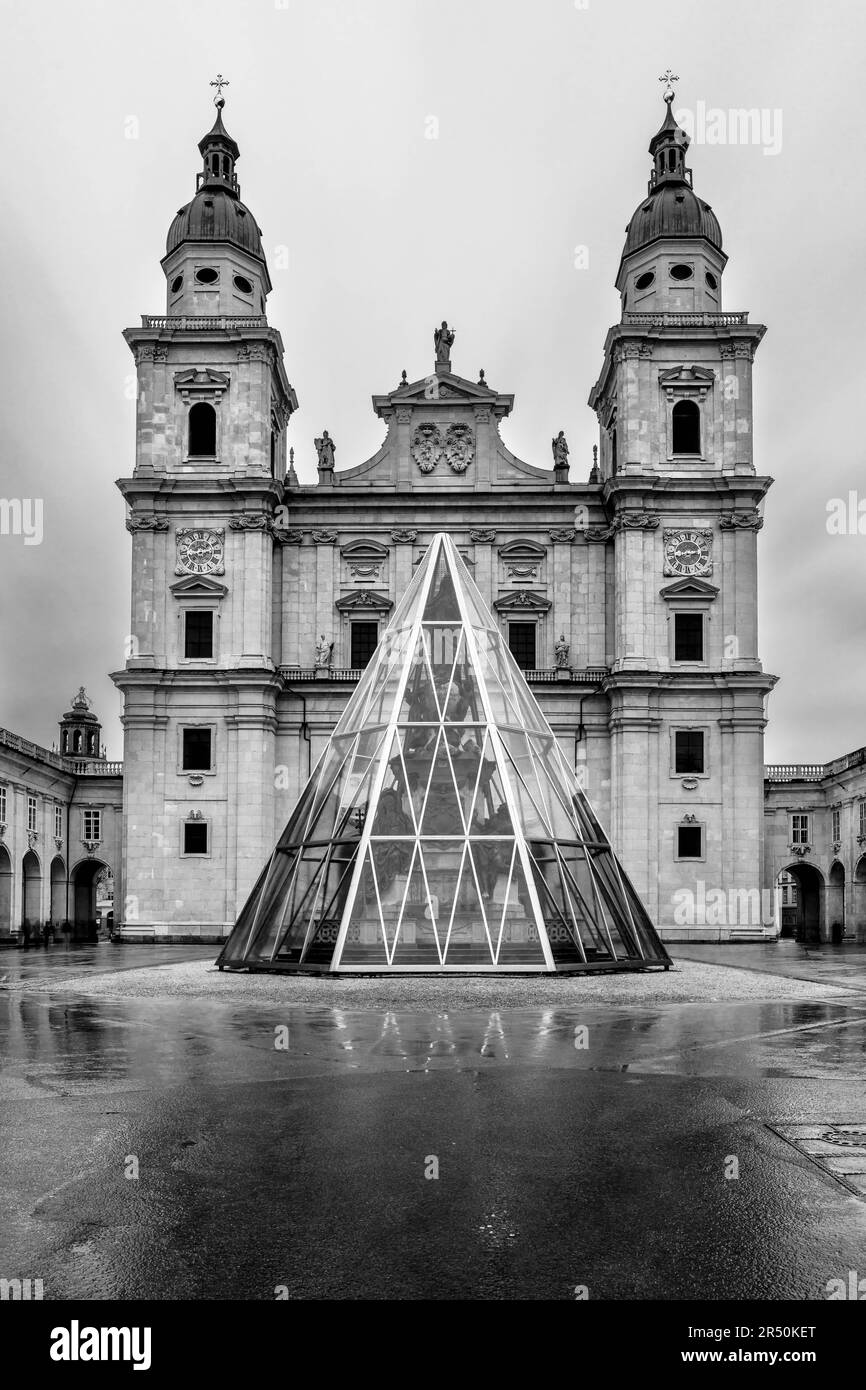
column 66, row 1043
column 202, row 1149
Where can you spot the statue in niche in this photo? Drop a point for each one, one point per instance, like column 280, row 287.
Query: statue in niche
column 443, row 338
column 325, row 448
column 560, row 652
column 560, row 451
column 324, row 653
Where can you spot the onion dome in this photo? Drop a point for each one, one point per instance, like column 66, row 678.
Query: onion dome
column 671, row 207
column 216, row 213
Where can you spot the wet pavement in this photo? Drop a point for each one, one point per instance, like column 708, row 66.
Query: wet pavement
column 184, row 1148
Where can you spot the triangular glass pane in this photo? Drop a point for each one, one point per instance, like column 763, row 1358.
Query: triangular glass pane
column 443, row 643
column 418, row 704
column 455, row 898
column 417, row 942
column 523, row 782
column 365, row 942
column 442, row 810
column 442, row 598
column 519, row 935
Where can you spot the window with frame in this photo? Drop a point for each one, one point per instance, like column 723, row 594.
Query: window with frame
column 198, row 634
column 196, row 750
column 32, row 813
column 92, row 825
column 686, row 428
column 836, row 829
column 690, row 842
column 521, row 644
column 688, row 637
column 862, row 821
column 58, row 822
column 799, row 829
column 202, row 430
column 195, row 837
column 364, row 639
column 689, row 751
column 3, row 805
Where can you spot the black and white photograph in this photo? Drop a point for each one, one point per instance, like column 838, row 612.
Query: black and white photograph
column 432, row 653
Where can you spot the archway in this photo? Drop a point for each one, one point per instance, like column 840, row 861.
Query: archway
column 83, row 879
column 58, row 891
column 836, row 902
column 31, row 896
column 859, row 905
column 5, row 892
column 807, row 920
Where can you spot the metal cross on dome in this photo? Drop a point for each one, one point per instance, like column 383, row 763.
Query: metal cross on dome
column 669, row 78
column 219, row 82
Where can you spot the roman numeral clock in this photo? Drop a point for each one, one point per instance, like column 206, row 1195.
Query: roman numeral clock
column 688, row 553
column 200, row 552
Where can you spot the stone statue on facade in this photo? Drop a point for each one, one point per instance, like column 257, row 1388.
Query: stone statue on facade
column 560, row 451
column 443, row 338
column 324, row 653
column 560, row 652
column 325, row 448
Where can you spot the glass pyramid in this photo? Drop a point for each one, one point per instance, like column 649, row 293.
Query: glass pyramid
column 443, row 829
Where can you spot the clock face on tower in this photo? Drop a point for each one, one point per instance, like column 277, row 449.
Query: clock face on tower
column 688, row 552
column 200, row 552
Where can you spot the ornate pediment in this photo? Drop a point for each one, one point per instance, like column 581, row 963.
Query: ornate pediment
column 522, row 601
column 685, row 380
column 198, row 586
column 201, row 383
column 684, row 589
column 364, row 600
column 440, row 392
column 522, row 559
column 364, row 560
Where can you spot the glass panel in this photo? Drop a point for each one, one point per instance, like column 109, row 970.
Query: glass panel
column 519, row 939
column 418, row 705
column 441, row 599
column 587, row 904
column 524, row 783
column 417, row 940
column 456, row 906
column 490, row 813
column 555, row 903
column 443, row 642
column 442, row 811
column 365, row 942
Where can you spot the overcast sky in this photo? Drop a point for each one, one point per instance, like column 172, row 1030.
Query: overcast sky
column 544, row 111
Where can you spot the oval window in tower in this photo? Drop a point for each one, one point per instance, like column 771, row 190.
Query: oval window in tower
column 681, row 272
column 176, row 283
column 712, row 281
column 644, row 281
column 243, row 284
column 207, row 275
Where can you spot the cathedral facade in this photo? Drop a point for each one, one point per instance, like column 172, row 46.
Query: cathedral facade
column 628, row 597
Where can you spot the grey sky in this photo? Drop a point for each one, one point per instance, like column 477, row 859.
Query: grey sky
column 545, row 110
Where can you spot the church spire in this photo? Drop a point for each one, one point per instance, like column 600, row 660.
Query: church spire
column 218, row 150
column 669, row 144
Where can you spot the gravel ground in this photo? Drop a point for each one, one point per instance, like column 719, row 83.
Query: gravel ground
column 689, row 982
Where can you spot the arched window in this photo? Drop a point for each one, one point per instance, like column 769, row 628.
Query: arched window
column 76, row 741
column 202, row 430
column 91, row 743
column 613, row 452
column 225, row 166
column 686, row 422
column 66, row 740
